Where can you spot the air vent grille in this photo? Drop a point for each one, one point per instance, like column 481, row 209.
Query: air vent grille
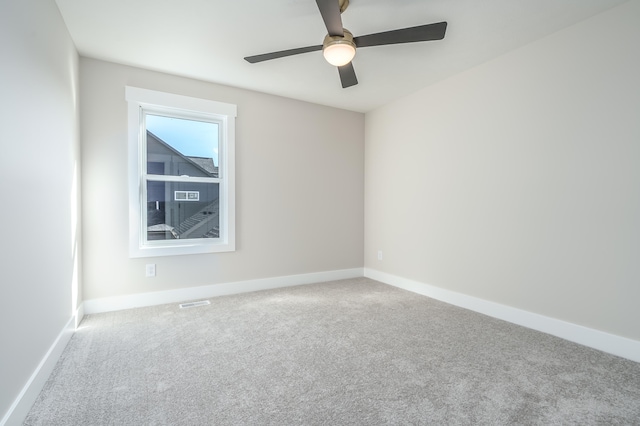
column 194, row 304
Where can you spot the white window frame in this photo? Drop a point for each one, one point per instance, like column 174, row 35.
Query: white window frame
column 141, row 101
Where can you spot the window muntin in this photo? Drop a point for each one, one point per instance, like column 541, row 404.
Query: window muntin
column 182, row 178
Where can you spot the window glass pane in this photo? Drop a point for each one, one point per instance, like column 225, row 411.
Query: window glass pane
column 178, row 147
column 179, row 210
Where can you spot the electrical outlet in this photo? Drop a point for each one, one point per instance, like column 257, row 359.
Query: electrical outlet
column 151, row 270
column 379, row 254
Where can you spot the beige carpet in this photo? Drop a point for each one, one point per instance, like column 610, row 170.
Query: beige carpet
column 351, row 352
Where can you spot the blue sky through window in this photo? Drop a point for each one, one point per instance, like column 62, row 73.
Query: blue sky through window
column 191, row 138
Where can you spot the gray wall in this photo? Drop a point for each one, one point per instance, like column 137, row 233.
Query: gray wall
column 38, row 170
column 299, row 187
column 518, row 181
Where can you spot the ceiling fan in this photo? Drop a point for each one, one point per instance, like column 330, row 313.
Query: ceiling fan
column 339, row 46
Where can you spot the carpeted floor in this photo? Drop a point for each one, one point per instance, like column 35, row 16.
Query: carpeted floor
column 351, row 352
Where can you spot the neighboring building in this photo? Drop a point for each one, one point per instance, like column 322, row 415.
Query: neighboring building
column 178, row 209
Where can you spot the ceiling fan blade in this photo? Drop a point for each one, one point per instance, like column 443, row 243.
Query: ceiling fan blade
column 347, row 75
column 330, row 11
column 282, row 54
column 406, row 35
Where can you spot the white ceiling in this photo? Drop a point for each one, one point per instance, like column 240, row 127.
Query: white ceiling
column 208, row 39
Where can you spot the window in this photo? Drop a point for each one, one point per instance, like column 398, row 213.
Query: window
column 181, row 174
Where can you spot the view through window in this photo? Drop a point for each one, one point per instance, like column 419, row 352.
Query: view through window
column 182, row 185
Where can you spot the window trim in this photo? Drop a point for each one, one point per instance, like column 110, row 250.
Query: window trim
column 184, row 106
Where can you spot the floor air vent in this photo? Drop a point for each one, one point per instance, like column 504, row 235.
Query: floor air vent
column 194, row 304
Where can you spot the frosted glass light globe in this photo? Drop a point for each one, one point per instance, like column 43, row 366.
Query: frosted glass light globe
column 339, row 53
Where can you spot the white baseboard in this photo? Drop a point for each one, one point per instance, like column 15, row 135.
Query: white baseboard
column 138, row 300
column 22, row 404
column 610, row 343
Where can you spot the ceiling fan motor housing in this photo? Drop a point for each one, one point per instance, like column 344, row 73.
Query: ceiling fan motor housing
column 343, row 5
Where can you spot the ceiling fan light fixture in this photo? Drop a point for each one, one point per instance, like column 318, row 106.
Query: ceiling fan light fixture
column 339, row 51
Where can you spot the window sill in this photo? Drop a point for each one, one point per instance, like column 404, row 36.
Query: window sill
column 179, row 249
